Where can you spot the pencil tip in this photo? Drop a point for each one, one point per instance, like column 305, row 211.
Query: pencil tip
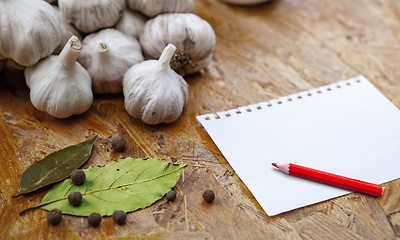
column 274, row 164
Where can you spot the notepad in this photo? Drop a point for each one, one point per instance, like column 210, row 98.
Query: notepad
column 347, row 128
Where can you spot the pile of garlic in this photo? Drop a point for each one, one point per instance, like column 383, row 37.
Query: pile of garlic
column 106, row 46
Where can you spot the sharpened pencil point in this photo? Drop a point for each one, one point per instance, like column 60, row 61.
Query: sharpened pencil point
column 274, row 164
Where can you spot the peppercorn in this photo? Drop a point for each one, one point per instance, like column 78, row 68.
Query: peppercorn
column 119, row 217
column 54, row 216
column 78, row 177
column 171, row 196
column 208, row 195
column 94, row 219
column 118, row 144
column 75, row 198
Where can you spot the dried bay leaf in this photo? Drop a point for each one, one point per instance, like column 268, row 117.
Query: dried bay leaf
column 125, row 184
column 55, row 166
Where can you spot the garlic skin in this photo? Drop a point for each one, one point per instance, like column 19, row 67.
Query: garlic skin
column 152, row 8
column 131, row 23
column 107, row 55
column 153, row 91
column 29, row 30
column 67, row 31
column 245, row 2
column 193, row 37
column 91, row 15
column 59, row 85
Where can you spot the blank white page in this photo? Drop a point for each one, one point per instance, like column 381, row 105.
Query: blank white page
column 347, row 128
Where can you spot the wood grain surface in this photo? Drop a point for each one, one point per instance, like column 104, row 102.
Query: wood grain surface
column 263, row 52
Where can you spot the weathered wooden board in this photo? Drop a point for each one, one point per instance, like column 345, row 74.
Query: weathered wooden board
column 262, row 52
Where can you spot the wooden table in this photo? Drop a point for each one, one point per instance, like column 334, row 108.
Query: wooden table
column 262, row 52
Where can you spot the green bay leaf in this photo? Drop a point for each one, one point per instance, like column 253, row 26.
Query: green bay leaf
column 55, row 166
column 125, row 184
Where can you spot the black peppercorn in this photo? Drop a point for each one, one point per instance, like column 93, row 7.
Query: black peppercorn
column 118, row 144
column 75, row 198
column 119, row 217
column 54, row 216
column 94, row 219
column 208, row 195
column 78, row 177
column 171, row 196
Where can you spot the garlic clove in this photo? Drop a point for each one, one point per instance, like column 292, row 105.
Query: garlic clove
column 131, row 23
column 153, row 91
column 35, row 30
column 107, row 55
column 194, row 38
column 91, row 15
column 59, row 85
column 152, row 8
column 67, row 31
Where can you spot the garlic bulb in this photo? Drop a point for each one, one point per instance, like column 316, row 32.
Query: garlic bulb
column 131, row 23
column 245, row 2
column 91, row 15
column 67, row 31
column 152, row 8
column 153, row 91
column 59, row 85
column 193, row 37
column 107, row 55
column 29, row 30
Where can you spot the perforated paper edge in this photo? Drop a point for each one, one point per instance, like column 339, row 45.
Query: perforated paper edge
column 284, row 100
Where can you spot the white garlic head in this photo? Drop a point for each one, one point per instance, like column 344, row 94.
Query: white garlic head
column 67, row 31
column 29, row 30
column 91, row 15
column 193, row 37
column 59, row 85
column 107, row 55
column 131, row 23
column 153, row 91
column 152, row 8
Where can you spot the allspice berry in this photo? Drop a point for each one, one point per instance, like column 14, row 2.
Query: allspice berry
column 208, row 195
column 119, row 217
column 78, row 177
column 54, row 216
column 75, row 198
column 118, row 144
column 94, row 219
column 171, row 196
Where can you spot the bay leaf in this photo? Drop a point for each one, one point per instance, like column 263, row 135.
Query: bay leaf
column 125, row 184
column 55, row 167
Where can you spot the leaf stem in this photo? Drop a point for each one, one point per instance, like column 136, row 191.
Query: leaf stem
column 41, row 204
column 103, row 189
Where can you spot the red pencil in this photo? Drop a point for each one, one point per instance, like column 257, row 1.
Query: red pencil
column 329, row 178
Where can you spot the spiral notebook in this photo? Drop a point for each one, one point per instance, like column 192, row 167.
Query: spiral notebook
column 347, row 128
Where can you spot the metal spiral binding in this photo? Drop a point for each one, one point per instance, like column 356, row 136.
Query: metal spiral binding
column 285, row 100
